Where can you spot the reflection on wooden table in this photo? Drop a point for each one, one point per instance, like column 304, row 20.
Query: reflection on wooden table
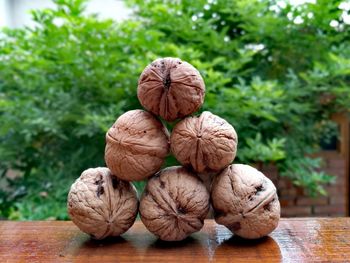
column 295, row 240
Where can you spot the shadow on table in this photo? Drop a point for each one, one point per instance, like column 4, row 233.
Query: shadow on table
column 109, row 241
column 164, row 245
column 82, row 246
column 188, row 249
column 141, row 246
column 264, row 248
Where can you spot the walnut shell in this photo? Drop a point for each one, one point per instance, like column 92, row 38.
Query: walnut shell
column 206, row 142
column 245, row 201
column 174, row 204
column 171, row 88
column 136, row 145
column 102, row 205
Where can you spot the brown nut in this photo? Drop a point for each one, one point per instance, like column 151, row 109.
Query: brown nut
column 174, row 204
column 245, row 201
column 206, row 142
column 137, row 145
column 102, row 205
column 171, row 88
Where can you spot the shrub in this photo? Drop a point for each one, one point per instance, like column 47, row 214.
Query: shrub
column 65, row 81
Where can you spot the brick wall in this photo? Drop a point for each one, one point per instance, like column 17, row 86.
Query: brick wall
column 294, row 202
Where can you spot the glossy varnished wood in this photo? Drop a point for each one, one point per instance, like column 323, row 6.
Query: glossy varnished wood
column 295, row 240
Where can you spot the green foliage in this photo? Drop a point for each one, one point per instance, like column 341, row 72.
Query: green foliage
column 256, row 150
column 303, row 172
column 64, row 82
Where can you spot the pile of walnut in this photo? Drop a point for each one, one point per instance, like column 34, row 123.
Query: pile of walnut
column 175, row 202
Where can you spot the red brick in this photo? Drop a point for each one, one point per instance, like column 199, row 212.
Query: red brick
column 270, row 168
column 321, row 215
column 336, row 163
column 337, row 200
column 296, row 211
column 256, row 166
column 339, row 182
column 338, row 215
column 330, row 209
column 295, row 202
column 284, row 183
column 272, row 177
column 339, row 179
column 304, row 201
column 329, row 215
column 336, row 171
column 271, row 171
column 287, row 201
column 335, row 189
column 287, row 192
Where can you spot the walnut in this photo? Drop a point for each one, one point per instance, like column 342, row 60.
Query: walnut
column 102, row 205
column 207, row 142
column 171, row 88
column 137, row 145
column 245, row 201
column 174, row 204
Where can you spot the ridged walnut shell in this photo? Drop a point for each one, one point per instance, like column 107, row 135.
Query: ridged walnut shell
column 101, row 205
column 174, row 204
column 207, row 142
column 136, row 145
column 245, row 201
column 171, row 88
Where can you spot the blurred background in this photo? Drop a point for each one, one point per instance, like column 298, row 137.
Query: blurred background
column 279, row 71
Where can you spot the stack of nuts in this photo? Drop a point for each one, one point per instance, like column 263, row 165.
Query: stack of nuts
column 175, row 202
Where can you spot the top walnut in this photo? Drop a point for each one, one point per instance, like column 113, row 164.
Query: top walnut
column 171, row 88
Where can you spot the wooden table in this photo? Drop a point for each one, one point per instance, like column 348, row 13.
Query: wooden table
column 295, row 240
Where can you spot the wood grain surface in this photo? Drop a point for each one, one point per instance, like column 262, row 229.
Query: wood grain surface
column 295, row 240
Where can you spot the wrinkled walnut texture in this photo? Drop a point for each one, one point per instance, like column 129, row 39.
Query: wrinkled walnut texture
column 245, row 201
column 171, row 88
column 136, row 146
column 102, row 205
column 206, row 142
column 174, row 204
